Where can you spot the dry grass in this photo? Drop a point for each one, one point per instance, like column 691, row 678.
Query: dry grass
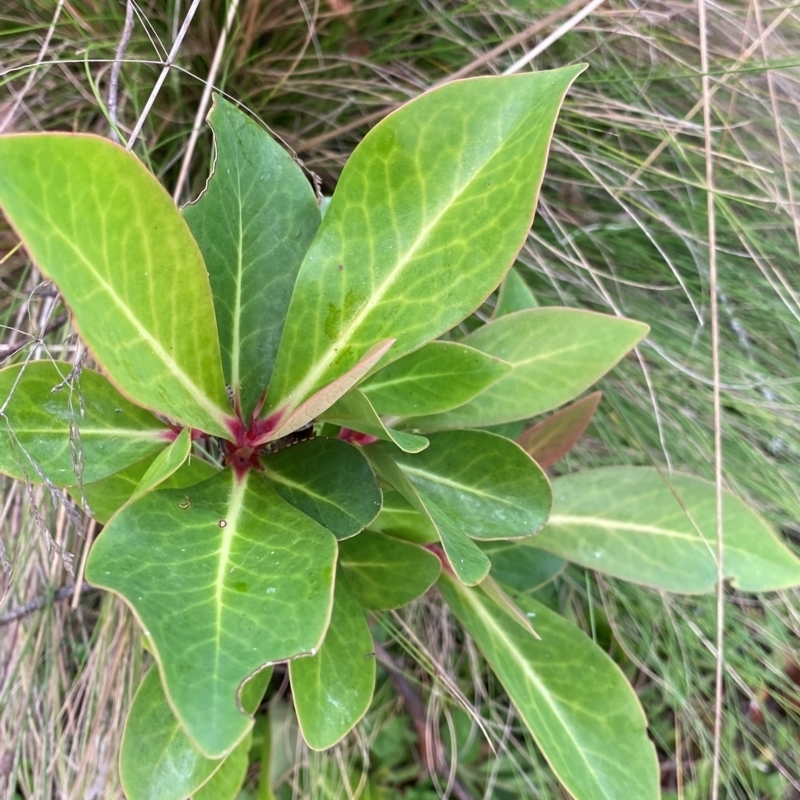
column 622, row 226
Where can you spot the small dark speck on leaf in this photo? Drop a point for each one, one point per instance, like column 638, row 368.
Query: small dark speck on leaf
column 222, row 523
column 341, row 267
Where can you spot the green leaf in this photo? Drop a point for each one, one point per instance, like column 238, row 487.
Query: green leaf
column 226, row 782
column 333, row 689
column 486, row 484
column 166, row 463
column 157, row 759
column 551, row 439
column 224, row 577
column 102, row 227
column 575, row 701
column 385, row 572
column 556, row 353
column 253, row 223
column 67, row 432
column 520, row 566
column 515, row 295
column 330, row 481
column 660, row 530
column 427, row 217
column 400, row 519
column 106, row 496
column 435, row 378
column 465, row 557
column 279, row 425
column 355, row 411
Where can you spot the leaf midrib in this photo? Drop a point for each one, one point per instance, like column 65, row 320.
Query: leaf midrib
column 378, row 292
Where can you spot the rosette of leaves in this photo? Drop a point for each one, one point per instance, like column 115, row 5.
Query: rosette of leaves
column 227, row 334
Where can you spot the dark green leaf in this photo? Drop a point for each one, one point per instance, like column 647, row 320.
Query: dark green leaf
column 401, row 519
column 520, row 566
column 330, row 481
column 385, row 572
column 253, row 223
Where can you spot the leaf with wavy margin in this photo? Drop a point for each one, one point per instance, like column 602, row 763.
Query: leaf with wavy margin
column 225, row 577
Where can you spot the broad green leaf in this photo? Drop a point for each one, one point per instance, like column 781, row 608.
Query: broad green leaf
column 556, row 353
column 520, row 566
column 355, row 411
column 465, row 557
column 70, row 432
column 573, row 698
column 278, row 425
column 330, row 481
column 225, row 577
column 253, row 223
column 102, row 227
column 333, row 689
column 106, row 496
column 166, row 463
column 385, row 572
column 486, row 484
column 435, row 378
column 227, row 781
column 157, row 759
column 515, row 295
column 427, row 217
column 400, row 519
column 660, row 530
column 551, row 439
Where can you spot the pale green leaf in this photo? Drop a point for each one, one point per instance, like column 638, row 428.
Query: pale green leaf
column 333, row 688
column 102, row 227
column 486, row 484
column 330, row 481
column 166, row 463
column 253, row 223
column 556, row 354
column 426, row 219
column 660, row 530
column 515, row 295
column 356, row 412
column 157, row 759
column 226, row 782
column 575, row 701
column 105, row 497
column 385, row 572
column 225, row 577
column 435, row 378
column 67, row 432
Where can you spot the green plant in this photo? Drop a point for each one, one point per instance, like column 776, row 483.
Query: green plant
column 236, row 549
